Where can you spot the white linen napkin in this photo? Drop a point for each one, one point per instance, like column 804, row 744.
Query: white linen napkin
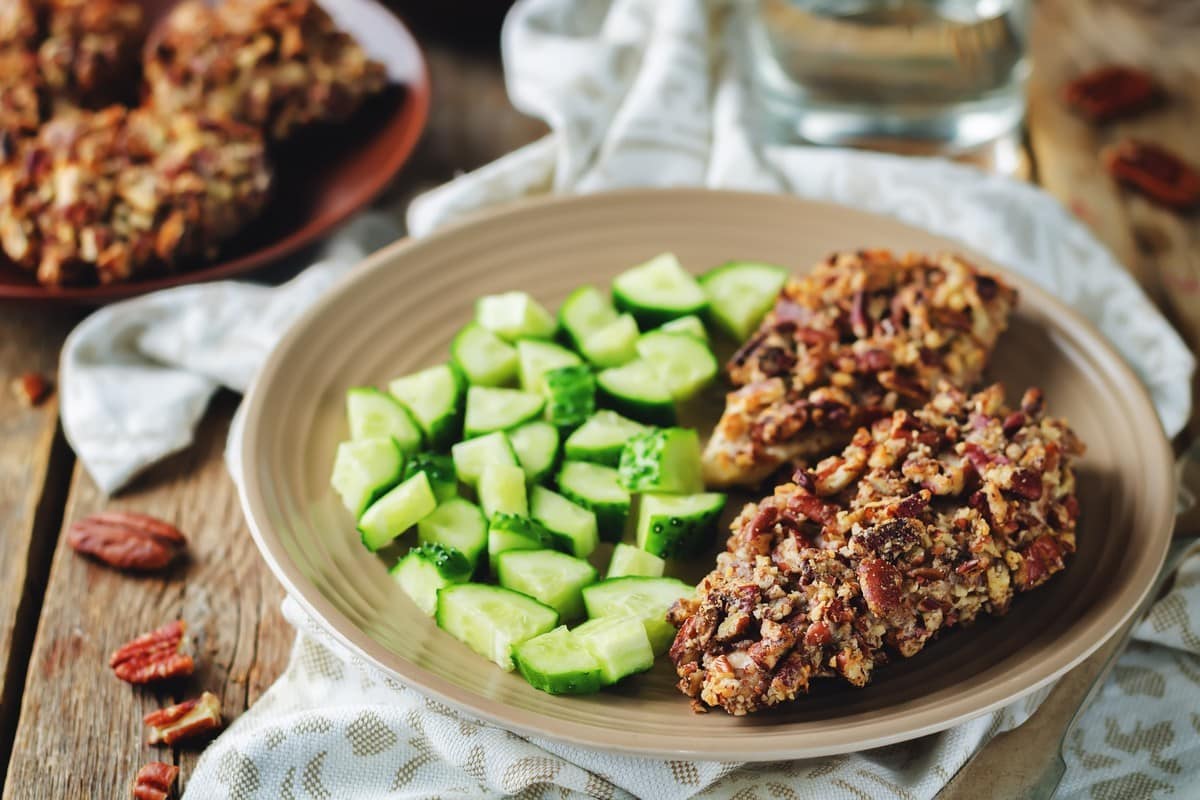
column 636, row 92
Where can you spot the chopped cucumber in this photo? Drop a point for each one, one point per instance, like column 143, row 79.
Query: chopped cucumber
column 629, row 560
column 536, row 446
column 601, row 438
column 690, row 325
column 573, row 527
column 427, row 568
column 612, row 345
column 741, row 293
column 515, row 315
column 585, row 311
column 570, row 395
column 558, row 663
column 619, row 644
column 684, row 364
column 440, row 470
column 645, row 598
column 514, row 532
column 484, row 358
column 490, row 409
column 434, row 397
column 373, row 414
column 502, row 490
column 456, row 523
column 491, row 620
column 598, row 489
column 365, row 469
column 666, row 460
column 471, row 456
column 538, row 358
column 548, row 576
column 637, row 391
column 658, row 291
column 673, row 525
column 396, row 512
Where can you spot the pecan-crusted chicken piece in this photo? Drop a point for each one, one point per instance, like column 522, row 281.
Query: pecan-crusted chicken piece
column 22, row 96
column 101, row 196
column 864, row 334
column 89, row 55
column 925, row 521
column 274, row 64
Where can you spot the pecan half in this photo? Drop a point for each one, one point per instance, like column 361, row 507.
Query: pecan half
column 184, row 720
column 127, row 540
column 31, row 389
column 154, row 656
column 153, row 781
column 1112, row 92
column 1154, row 172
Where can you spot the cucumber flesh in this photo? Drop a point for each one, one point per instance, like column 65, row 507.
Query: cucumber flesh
column 365, row 469
column 397, row 511
column 598, row 489
column 619, row 644
column 636, row 390
column 491, row 620
column 502, row 490
column 672, row 526
column 536, row 446
column 629, row 560
column 658, row 291
column 690, row 325
column 558, row 663
column 601, row 438
column 665, row 461
column 428, row 568
column 440, row 470
column 484, row 358
column 471, row 456
column 740, row 294
column 585, row 311
column 514, row 532
column 538, row 358
column 492, row 409
column 570, row 395
column 515, row 315
column 456, row 523
column 434, row 397
column 614, row 344
column 373, row 414
column 684, row 363
column 645, row 598
column 548, row 576
column 573, row 527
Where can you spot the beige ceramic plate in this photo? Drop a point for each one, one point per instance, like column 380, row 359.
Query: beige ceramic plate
column 398, row 312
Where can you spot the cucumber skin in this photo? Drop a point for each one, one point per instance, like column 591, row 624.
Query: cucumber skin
column 587, row 681
column 439, row 469
column 570, row 396
column 669, row 536
column 642, row 467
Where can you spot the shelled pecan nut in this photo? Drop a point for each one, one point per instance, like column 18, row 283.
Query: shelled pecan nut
column 184, row 720
column 154, row 656
column 1112, row 92
column 31, row 389
column 127, row 540
column 1155, row 172
column 154, row 781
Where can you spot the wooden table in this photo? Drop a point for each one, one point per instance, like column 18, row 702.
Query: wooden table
column 73, row 731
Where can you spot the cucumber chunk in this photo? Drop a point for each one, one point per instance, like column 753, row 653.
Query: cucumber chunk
column 515, row 532
column 456, row 523
column 364, row 470
column 439, row 469
column 619, row 644
column 598, row 489
column 396, row 512
column 570, row 395
column 434, row 397
column 538, row 358
column 491, row 409
column 740, row 294
column 573, row 527
column 547, row 576
column 484, row 358
column 373, row 414
column 690, row 325
column 427, row 568
column 672, row 525
column 558, row 663
column 684, row 363
column 514, row 315
column 502, row 490
column 612, row 345
column 601, row 438
column 637, row 391
column 658, row 291
column 629, row 560
column 491, row 619
column 471, row 456
column 645, row 598
column 666, row 460
column 585, row 311
column 536, row 446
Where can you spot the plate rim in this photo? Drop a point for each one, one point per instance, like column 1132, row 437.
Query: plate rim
column 777, row 746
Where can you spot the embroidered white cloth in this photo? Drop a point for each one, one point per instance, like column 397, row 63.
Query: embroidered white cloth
column 637, row 92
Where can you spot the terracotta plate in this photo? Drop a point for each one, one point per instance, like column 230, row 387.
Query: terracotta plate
column 322, row 176
column 399, row 311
